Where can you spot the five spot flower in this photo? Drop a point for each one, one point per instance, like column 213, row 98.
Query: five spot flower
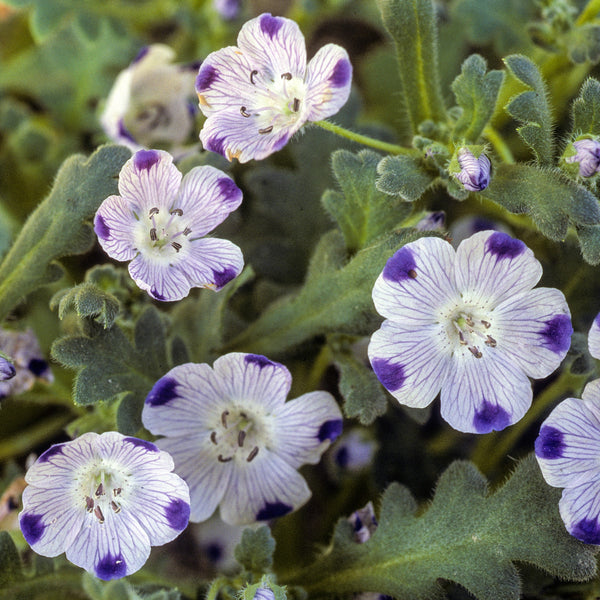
column 234, row 438
column 468, row 323
column 159, row 222
column 258, row 94
column 104, row 500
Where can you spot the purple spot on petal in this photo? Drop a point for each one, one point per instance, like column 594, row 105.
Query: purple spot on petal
column 342, row 457
column 164, row 390
column 154, row 293
column 597, row 320
column 52, row 451
column 143, row 51
column 111, row 567
column 341, row 73
column 38, row 366
column 482, row 224
column 223, row 277
column 124, row 132
column 550, row 443
column 206, row 77
column 228, row 189
column 145, row 159
column 587, row 530
column 490, row 417
column 214, row 552
column 272, row 510
column 280, row 143
column 270, row 25
column 178, row 514
column 32, row 527
column 101, row 228
column 401, row 266
column 217, row 145
column 504, row 246
column 330, row 430
column 557, row 334
column 257, row 359
column 142, row 444
column 390, row 374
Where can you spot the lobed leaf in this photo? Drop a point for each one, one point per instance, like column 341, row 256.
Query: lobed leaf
column 586, row 109
column 255, row 550
column 88, row 301
column 404, row 176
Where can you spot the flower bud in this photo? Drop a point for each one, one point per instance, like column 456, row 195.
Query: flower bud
column 587, row 154
column 474, row 171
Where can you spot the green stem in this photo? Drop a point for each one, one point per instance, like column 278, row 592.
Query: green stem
column 589, row 13
column 499, row 144
column 364, row 139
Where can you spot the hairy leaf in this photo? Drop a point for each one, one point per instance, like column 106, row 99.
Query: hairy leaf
column 586, row 109
column 583, row 44
column 255, row 550
column 89, row 301
column 403, row 176
column 467, row 535
column 10, row 563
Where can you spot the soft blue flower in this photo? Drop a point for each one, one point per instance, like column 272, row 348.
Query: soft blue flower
column 474, row 171
column 567, row 451
column 258, row 94
column 468, row 323
column 587, row 154
column 7, row 369
column 159, row 222
column 228, row 9
column 235, row 439
column 103, row 500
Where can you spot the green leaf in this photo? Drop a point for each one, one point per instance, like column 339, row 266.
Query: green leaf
column 476, row 93
column 586, row 109
column 361, row 211
column 532, row 108
column 583, row 44
column 466, row 535
column 89, row 301
column 403, row 176
column 412, row 25
column 10, row 563
column 255, row 550
column 336, row 297
column 59, row 226
column 552, row 201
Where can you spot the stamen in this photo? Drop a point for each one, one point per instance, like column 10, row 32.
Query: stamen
column 224, row 460
column 153, row 235
column 213, row 437
column 99, row 514
column 469, row 321
column 116, row 491
column 243, row 415
column 486, row 324
column 252, row 74
column 252, row 454
column 241, row 438
column 187, row 231
column 89, row 504
column 287, row 76
column 176, row 211
column 224, row 416
column 177, row 246
column 153, row 211
column 461, row 338
column 115, row 506
column 490, row 341
column 475, row 351
column 296, row 105
column 244, row 113
column 412, row 274
column 100, row 490
column 266, row 130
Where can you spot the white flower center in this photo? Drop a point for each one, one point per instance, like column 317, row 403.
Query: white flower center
column 163, row 234
column 102, row 488
column 278, row 102
column 472, row 329
column 237, row 435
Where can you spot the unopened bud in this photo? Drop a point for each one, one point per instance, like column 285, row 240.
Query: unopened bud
column 587, row 154
column 474, row 171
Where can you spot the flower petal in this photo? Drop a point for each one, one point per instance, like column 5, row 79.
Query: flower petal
column 484, row 394
column 265, row 489
column 594, row 338
column 534, row 328
column 213, row 263
column 305, row 427
column 417, row 282
column 149, row 179
column 580, row 511
column 206, row 197
column 492, row 267
column 412, row 364
column 114, row 225
column 162, row 280
column 328, row 82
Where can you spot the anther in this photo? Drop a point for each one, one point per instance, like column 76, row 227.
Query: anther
column 153, row 211
column 252, row 74
column 100, row 490
column 187, row 231
column 486, row 324
column 244, row 113
column 296, row 105
column 221, row 459
column 177, row 246
column 252, row 454
column 153, row 235
column 266, row 130
column 213, row 437
column 469, row 321
column 490, row 341
column 99, row 514
column 412, row 274
column 116, row 491
column 287, row 76
column 475, row 351
column 176, row 211
column 241, row 438
column 224, row 416
column 115, row 506
column 89, row 504
column 461, row 338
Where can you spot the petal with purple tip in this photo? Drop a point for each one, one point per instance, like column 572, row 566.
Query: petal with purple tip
column 213, row 263
column 114, row 224
column 594, row 338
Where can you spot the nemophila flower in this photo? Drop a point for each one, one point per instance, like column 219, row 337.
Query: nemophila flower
column 151, row 102
column 587, row 155
column 474, row 171
column 235, row 439
column 594, row 338
column 27, row 363
column 464, row 227
column 258, row 94
column 567, row 451
column 468, row 323
column 103, row 500
column 216, row 543
column 228, row 9
column 432, row 221
column 364, row 523
column 353, row 452
column 159, row 222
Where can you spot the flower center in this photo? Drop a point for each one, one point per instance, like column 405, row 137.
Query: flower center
column 471, row 331
column 277, row 102
column 236, row 434
column 103, row 490
column 167, row 231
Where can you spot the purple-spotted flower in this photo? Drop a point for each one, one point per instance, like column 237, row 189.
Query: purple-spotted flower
column 159, row 222
column 587, row 155
column 228, row 9
column 474, row 171
column 151, row 102
column 567, row 451
column 103, row 500
column 258, row 94
column 7, row 369
column 464, row 227
column 363, row 523
column 468, row 323
column 235, row 439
